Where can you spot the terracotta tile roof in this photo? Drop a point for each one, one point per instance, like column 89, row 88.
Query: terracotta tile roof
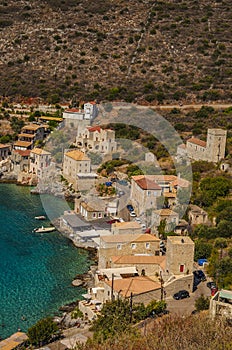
column 94, row 128
column 40, row 151
column 126, row 225
column 147, row 184
column 26, row 135
column 181, row 183
column 13, row 341
column 135, row 285
column 156, row 178
column 76, row 155
column 73, row 110
column 169, row 194
column 31, row 127
column 3, row 145
column 22, row 153
column 138, row 259
column 129, row 237
column 22, row 143
column 197, row 142
column 165, row 212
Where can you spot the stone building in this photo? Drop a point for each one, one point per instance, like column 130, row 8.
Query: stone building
column 96, row 139
column 179, row 255
column 125, row 227
column 40, row 161
column 127, row 244
column 213, row 150
column 197, row 215
column 144, row 193
column 75, row 162
column 171, row 218
column 29, row 135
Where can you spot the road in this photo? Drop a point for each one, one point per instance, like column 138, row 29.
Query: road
column 184, row 307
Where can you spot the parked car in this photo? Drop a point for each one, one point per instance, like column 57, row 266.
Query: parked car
column 133, row 214
column 199, row 275
column 130, row 207
column 211, row 285
column 122, row 182
column 214, row 291
column 182, row 294
column 138, row 220
column 113, row 221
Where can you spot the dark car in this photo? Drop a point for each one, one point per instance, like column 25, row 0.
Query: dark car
column 130, row 207
column 211, row 285
column 199, row 274
column 182, row 294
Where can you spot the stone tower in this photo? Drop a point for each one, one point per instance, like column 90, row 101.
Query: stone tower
column 216, row 145
column 180, row 255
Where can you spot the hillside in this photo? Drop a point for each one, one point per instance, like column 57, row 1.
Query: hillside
column 145, row 51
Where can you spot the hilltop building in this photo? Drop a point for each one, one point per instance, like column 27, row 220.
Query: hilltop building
column 96, row 139
column 74, row 116
column 213, row 150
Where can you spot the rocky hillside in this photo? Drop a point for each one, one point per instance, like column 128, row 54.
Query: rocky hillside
column 150, row 51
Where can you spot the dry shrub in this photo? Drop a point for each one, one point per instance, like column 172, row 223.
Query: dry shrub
column 174, row 333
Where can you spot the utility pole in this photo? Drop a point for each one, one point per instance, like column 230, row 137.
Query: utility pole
column 162, row 287
column 112, row 288
column 131, row 307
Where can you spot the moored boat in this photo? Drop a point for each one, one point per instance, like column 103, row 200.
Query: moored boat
column 44, row 229
column 41, row 217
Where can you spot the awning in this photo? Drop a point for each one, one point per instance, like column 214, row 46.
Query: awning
column 118, row 272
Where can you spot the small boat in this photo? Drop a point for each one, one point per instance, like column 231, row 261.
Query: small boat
column 44, row 229
column 41, row 217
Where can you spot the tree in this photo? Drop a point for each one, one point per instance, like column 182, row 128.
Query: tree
column 42, row 332
column 202, row 250
column 220, row 243
column 202, row 303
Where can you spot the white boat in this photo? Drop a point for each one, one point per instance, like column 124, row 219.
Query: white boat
column 44, row 229
column 41, row 217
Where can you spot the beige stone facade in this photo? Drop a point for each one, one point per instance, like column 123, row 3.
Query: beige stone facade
column 40, row 161
column 75, row 162
column 179, row 255
column 125, row 227
column 213, row 150
column 197, row 215
column 127, row 244
column 96, row 139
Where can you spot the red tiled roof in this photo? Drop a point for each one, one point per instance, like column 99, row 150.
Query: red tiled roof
column 147, row 184
column 94, row 128
column 197, row 142
column 23, row 153
column 73, row 110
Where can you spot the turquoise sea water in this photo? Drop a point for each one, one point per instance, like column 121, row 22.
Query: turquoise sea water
column 36, row 270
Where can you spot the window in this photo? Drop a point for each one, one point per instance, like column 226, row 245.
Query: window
column 157, row 253
column 133, row 245
column 94, row 215
column 181, row 268
column 119, row 246
column 99, row 215
column 148, row 193
column 147, row 245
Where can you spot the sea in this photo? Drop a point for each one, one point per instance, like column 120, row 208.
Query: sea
column 36, row 270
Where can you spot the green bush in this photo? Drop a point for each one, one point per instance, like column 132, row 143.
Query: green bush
column 42, row 332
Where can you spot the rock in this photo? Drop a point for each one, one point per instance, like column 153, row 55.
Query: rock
column 69, row 307
column 77, row 283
